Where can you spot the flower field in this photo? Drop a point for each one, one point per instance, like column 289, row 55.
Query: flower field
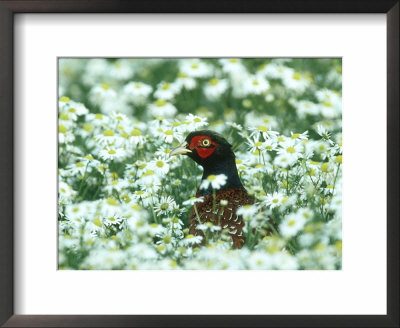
column 124, row 202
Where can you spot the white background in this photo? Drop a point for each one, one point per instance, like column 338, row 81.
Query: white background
column 360, row 288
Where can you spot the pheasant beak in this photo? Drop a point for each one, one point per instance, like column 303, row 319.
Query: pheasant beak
column 181, row 149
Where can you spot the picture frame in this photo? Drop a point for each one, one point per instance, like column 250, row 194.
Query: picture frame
column 7, row 10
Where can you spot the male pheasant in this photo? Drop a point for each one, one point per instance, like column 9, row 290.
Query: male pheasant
column 214, row 153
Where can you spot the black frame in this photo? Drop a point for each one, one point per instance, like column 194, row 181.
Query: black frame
column 10, row 7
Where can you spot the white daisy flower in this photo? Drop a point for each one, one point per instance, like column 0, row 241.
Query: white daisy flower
column 165, row 205
column 247, row 210
column 264, row 130
column 215, row 181
column 137, row 138
column 111, row 153
column 215, row 88
column 232, row 65
column 300, row 136
column 121, row 69
column 137, row 92
column 193, row 200
column 166, row 91
column 195, row 68
column 296, row 81
column 255, row 84
column 291, row 148
column 195, row 122
column 170, row 135
column 100, row 94
column 184, row 81
column 208, row 226
column 191, row 240
column 273, row 200
column 162, row 108
column 291, row 225
column 159, row 165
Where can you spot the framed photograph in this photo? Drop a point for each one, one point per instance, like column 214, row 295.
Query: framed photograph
column 215, row 164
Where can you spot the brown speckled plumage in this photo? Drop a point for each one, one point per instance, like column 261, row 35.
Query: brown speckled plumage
column 214, row 153
column 224, row 216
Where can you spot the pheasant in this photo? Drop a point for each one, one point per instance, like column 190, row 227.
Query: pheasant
column 214, row 153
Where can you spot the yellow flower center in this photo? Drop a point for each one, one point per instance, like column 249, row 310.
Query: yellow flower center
column 112, row 201
column 160, row 163
column 213, row 81
column 65, row 99
column 296, row 76
column 160, row 103
column 211, row 177
column 88, row 127
column 62, row 129
column 291, row 150
column 166, row 86
column 108, row 133
column 136, row 133
column 64, row 117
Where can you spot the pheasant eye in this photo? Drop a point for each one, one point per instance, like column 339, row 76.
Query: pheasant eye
column 205, row 142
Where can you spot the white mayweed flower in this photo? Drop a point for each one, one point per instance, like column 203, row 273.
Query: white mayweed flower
column 215, row 181
column 184, row 81
column 195, row 121
column 100, row 94
column 255, row 85
column 306, row 107
column 264, row 130
column 195, row 68
column 291, row 148
column 193, row 200
column 232, row 66
column 159, row 165
column 137, row 92
column 273, row 200
column 165, row 205
column 215, row 88
column 323, row 132
column 162, row 108
column 111, row 153
column 137, row 138
column 192, row 240
column 65, row 134
column 255, row 144
column 71, row 108
column 292, row 224
column 296, row 81
column 121, row 69
column 274, row 71
column 208, row 226
column 170, row 135
column 166, row 91
column 300, row 136
column 247, row 210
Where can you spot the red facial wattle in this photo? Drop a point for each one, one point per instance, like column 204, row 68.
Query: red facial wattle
column 204, row 152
